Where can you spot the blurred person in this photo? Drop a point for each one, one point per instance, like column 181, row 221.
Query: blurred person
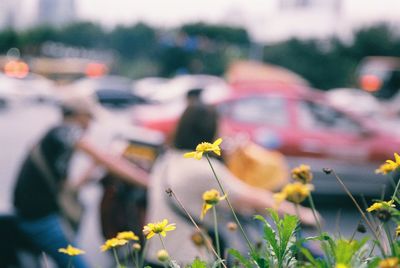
column 44, row 174
column 193, row 96
column 189, row 179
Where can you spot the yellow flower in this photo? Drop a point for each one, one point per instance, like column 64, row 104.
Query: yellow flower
column 302, row 174
column 392, row 262
column 389, row 165
column 398, row 230
column 210, row 198
column 380, row 205
column 112, row 243
column 158, row 228
column 129, row 235
column 295, row 192
column 341, row 265
column 205, row 147
column 71, row 251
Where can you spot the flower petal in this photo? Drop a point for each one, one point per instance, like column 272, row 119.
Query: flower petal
column 217, row 142
column 150, row 235
column 190, row 155
column 204, row 210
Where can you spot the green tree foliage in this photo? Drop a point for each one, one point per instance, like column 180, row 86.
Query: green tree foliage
column 332, row 63
column 220, row 33
column 133, row 41
column 8, row 38
column 204, row 48
column 85, row 34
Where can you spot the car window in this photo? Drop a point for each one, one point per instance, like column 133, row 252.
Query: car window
column 260, row 110
column 314, row 116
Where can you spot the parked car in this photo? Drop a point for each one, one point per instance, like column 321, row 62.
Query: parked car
column 31, row 87
column 176, row 88
column 300, row 123
column 355, row 101
column 111, row 91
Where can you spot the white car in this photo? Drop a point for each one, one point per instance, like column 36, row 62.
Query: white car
column 110, row 91
column 176, row 88
column 32, row 87
column 356, row 101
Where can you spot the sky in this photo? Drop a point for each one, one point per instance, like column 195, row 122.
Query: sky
column 263, row 18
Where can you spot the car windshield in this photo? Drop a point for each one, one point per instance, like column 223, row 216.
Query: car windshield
column 261, row 110
column 315, row 116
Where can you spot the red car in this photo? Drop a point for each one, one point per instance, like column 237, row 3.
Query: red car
column 298, row 122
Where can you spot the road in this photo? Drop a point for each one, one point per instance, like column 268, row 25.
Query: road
column 22, row 124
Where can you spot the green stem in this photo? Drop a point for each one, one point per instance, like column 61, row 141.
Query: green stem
column 216, row 234
column 162, row 242
column 298, row 237
column 116, row 257
column 390, row 239
column 361, row 212
column 70, row 262
column 144, row 251
column 395, row 190
column 136, row 259
column 230, row 205
column 314, row 211
column 205, row 236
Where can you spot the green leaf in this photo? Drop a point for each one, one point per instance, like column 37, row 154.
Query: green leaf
column 289, row 225
column 274, row 215
column 217, row 263
column 243, row 260
column 269, row 236
column 197, row 263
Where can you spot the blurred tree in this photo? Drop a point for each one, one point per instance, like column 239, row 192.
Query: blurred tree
column 32, row 39
column 227, row 34
column 133, row 41
column 85, row 34
column 206, row 48
column 8, row 39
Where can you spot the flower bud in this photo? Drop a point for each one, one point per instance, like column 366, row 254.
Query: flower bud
column 197, row 239
column 232, row 226
column 136, row 247
column 162, row 255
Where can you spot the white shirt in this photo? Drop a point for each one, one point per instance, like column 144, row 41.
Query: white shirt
column 189, row 179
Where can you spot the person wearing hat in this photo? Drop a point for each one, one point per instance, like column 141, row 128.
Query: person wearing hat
column 45, row 171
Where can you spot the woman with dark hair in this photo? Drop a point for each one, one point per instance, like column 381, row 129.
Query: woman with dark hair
column 189, row 179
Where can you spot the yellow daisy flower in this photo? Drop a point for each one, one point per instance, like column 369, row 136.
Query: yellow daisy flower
column 158, row 228
column 392, row 262
column 389, row 165
column 295, row 192
column 128, row 235
column 302, row 174
column 341, row 265
column 210, row 198
column 381, row 204
column 112, row 243
column 71, row 251
column 205, row 147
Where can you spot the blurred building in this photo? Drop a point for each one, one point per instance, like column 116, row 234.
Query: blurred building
column 56, row 12
column 303, row 19
column 8, row 13
column 22, row 14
